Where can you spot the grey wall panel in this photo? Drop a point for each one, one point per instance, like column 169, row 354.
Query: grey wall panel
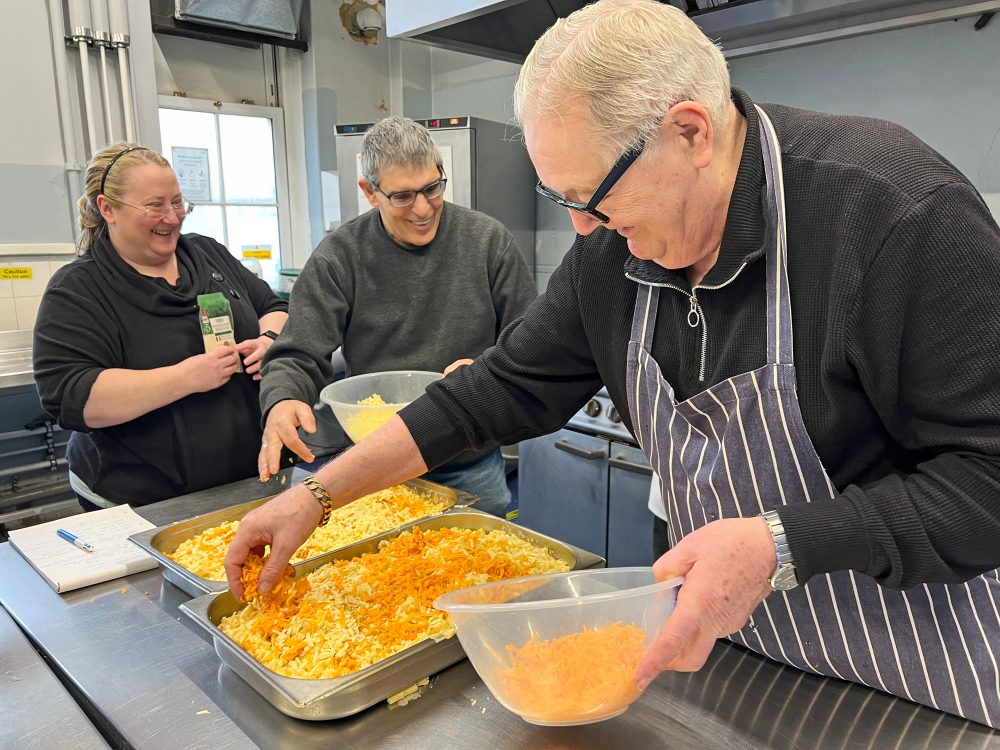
column 34, row 204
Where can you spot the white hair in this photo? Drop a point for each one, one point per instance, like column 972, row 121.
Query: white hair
column 627, row 62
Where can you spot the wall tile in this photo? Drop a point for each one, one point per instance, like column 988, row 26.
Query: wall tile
column 34, row 286
column 27, row 311
column 8, row 315
column 6, row 289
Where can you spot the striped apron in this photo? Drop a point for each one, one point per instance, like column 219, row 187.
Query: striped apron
column 740, row 448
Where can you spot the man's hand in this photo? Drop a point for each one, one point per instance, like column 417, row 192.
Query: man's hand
column 284, row 523
column 253, row 351
column 726, row 566
column 281, row 429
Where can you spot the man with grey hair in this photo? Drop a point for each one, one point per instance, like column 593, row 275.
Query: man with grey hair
column 835, row 504
column 417, row 284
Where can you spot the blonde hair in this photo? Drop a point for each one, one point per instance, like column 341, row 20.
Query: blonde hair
column 627, row 62
column 120, row 157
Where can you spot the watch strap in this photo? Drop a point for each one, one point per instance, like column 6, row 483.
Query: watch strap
column 784, row 576
column 271, row 335
column 318, row 491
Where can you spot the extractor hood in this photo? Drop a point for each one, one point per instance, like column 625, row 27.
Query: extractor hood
column 507, row 29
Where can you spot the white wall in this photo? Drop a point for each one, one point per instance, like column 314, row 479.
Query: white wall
column 343, row 81
column 939, row 80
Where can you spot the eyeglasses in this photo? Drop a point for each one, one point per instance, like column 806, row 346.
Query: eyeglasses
column 158, row 211
column 404, row 198
column 590, row 207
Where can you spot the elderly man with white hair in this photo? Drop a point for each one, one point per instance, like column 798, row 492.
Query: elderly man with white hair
column 831, row 489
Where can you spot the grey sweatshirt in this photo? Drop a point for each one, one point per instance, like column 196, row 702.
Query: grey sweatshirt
column 393, row 308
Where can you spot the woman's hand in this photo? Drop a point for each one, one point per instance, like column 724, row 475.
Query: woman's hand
column 211, row 370
column 253, row 351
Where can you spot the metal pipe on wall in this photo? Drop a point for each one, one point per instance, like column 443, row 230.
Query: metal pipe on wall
column 57, row 24
column 79, row 21
column 102, row 40
column 118, row 14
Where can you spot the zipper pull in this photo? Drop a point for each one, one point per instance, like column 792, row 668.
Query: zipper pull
column 694, row 314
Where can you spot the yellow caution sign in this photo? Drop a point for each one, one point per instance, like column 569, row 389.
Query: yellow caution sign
column 261, row 252
column 15, row 272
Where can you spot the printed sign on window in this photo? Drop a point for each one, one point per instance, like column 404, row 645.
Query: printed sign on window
column 193, row 174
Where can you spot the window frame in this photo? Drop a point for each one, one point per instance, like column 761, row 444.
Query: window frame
column 276, row 116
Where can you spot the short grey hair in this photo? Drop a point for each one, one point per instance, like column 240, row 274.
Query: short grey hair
column 396, row 142
column 627, row 62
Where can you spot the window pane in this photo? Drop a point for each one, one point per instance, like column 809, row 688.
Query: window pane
column 182, row 129
column 206, row 220
column 248, row 159
column 255, row 225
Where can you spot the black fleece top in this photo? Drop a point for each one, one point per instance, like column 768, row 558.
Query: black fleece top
column 99, row 313
column 894, row 268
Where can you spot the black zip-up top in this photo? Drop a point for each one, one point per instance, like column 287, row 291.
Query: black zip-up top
column 894, row 270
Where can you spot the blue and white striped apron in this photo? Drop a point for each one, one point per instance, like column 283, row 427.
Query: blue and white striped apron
column 740, row 448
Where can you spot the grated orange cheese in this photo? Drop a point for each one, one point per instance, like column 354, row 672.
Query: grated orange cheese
column 575, row 677
column 360, row 611
column 203, row 554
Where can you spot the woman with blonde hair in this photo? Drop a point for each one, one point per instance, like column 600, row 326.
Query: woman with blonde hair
column 119, row 357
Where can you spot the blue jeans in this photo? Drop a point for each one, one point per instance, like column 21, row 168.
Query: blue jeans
column 486, row 478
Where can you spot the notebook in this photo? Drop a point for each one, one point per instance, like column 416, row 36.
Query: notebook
column 66, row 566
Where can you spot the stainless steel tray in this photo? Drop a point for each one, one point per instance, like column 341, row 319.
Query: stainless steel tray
column 342, row 696
column 163, row 539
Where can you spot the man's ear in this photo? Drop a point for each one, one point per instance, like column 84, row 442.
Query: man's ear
column 369, row 192
column 104, row 206
column 689, row 122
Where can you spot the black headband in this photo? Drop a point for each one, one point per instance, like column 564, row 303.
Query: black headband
column 116, row 157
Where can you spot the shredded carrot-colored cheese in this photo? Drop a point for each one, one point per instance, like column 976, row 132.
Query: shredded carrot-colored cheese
column 285, row 593
column 576, row 677
column 362, row 610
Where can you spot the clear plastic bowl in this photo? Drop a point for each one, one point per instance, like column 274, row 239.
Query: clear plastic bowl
column 396, row 387
column 562, row 649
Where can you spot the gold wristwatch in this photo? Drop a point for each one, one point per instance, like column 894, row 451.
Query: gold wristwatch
column 322, row 496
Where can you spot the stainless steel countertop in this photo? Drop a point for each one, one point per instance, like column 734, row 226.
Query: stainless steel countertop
column 156, row 683
column 28, row 684
column 15, row 359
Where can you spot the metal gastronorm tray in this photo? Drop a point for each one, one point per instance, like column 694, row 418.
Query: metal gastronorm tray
column 163, row 539
column 343, row 696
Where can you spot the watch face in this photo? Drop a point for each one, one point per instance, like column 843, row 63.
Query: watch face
column 784, row 579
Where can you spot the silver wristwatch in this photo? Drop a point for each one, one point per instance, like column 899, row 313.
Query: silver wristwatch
column 783, row 578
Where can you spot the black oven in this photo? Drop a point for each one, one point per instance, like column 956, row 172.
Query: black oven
column 588, row 484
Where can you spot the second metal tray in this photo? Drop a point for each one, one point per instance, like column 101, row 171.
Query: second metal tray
column 163, row 539
column 342, row 696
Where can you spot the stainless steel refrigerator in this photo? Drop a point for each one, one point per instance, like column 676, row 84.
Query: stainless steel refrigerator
column 487, row 168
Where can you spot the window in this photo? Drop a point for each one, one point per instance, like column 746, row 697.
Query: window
column 229, row 160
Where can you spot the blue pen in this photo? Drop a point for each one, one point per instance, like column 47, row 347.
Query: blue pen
column 74, row 539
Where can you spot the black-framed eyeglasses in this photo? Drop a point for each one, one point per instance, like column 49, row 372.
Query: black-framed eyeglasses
column 158, row 211
column 590, row 207
column 404, row 198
